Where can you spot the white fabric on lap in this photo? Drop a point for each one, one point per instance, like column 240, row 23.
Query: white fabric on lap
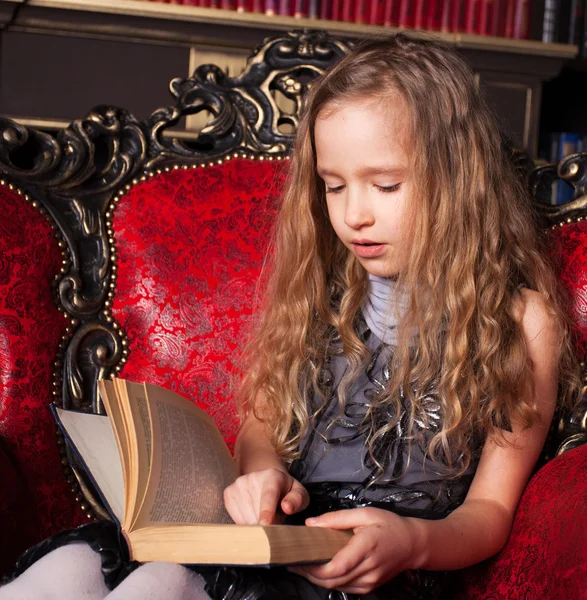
column 73, row 572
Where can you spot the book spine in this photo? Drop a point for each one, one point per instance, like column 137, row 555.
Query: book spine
column 521, row 20
column 283, row 7
column 549, row 23
column 346, row 12
column 483, row 20
column 510, row 12
column 419, row 15
column 270, row 8
column 361, row 11
column 445, row 15
column 376, row 10
column 562, row 145
column 325, row 10
column 228, row 4
column 471, row 7
column 300, row 9
column 583, row 45
column 406, row 13
column 456, row 16
column 537, row 15
column 336, row 12
column 388, row 12
column 314, row 9
column 434, row 15
column 565, row 9
column 579, row 24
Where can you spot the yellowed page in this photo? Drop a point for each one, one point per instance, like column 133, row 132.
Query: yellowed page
column 190, row 467
column 133, row 400
column 121, row 433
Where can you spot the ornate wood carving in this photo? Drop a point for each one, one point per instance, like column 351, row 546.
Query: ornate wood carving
column 245, row 113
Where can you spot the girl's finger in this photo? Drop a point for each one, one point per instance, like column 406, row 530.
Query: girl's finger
column 295, row 500
column 344, row 519
column 353, row 556
column 268, row 502
column 353, row 579
column 248, row 508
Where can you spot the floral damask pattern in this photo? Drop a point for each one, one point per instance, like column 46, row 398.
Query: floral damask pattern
column 190, row 246
column 568, row 245
column 545, row 557
column 35, row 498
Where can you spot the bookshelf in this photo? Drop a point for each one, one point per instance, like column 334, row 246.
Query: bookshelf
column 58, row 58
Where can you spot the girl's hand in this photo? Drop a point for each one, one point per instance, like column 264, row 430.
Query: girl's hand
column 381, row 547
column 254, row 498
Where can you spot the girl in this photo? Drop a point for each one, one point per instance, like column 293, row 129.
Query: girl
column 404, row 372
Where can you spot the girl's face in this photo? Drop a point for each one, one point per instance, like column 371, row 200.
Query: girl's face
column 362, row 157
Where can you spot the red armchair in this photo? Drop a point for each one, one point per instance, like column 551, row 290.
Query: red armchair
column 152, row 251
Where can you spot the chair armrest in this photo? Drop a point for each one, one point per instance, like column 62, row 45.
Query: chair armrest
column 545, row 557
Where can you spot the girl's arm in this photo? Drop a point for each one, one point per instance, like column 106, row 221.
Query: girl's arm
column 264, row 485
column 385, row 544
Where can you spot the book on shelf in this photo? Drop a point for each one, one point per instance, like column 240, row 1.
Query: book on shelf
column 161, row 467
column 563, row 144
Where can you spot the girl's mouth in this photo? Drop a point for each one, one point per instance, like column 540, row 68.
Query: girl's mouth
column 368, row 249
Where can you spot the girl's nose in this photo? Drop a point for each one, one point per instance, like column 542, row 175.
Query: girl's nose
column 358, row 212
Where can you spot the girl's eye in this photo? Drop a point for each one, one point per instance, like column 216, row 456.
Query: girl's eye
column 334, row 190
column 388, row 189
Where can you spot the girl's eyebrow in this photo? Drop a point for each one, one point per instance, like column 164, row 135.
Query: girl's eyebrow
column 363, row 171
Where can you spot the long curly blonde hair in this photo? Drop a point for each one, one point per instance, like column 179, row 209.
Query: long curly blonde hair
column 475, row 242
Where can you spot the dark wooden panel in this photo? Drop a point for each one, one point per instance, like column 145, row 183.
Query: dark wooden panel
column 63, row 76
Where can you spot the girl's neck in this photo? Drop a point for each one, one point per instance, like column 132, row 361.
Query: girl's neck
column 383, row 306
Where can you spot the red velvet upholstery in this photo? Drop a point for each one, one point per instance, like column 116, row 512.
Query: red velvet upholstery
column 30, row 331
column 568, row 245
column 190, row 245
column 545, row 557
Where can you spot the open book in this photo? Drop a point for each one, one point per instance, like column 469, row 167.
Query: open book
column 161, row 466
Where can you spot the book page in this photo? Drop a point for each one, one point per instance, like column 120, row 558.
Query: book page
column 94, row 441
column 190, row 467
column 133, row 400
